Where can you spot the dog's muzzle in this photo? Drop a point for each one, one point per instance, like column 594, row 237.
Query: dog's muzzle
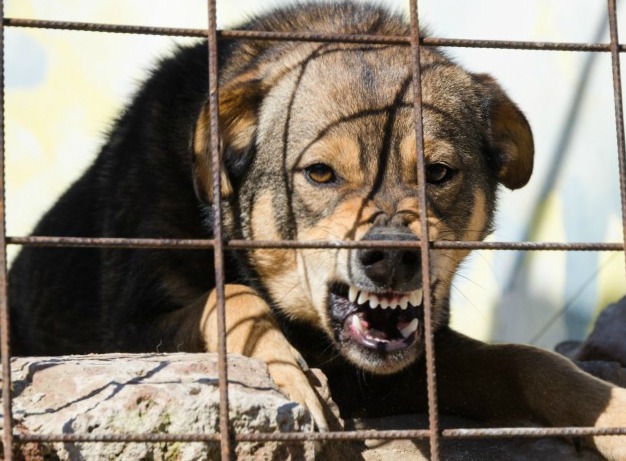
column 386, row 269
column 380, row 309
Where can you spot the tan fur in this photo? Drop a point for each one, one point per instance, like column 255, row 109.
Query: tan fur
column 252, row 331
column 512, row 137
column 202, row 161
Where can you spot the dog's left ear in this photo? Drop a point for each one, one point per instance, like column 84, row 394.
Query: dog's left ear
column 238, row 104
column 509, row 136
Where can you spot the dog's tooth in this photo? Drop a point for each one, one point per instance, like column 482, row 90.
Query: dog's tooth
column 410, row 328
column 415, row 298
column 363, row 297
column 374, row 301
column 356, row 323
column 403, row 302
column 419, row 296
column 353, row 292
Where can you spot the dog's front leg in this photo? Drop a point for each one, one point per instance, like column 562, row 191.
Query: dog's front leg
column 252, row 331
column 508, row 382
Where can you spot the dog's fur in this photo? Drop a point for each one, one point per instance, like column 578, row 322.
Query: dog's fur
column 318, row 143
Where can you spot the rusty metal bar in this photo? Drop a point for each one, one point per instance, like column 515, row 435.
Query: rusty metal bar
column 457, row 433
column 309, row 36
column 111, row 242
column 431, row 373
column 5, row 323
column 199, row 244
column 218, row 235
column 241, row 437
column 619, row 109
column 532, row 432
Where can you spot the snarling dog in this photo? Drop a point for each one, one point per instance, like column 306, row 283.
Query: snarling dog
column 317, row 143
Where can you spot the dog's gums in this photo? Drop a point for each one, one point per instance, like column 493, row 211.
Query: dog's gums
column 384, row 322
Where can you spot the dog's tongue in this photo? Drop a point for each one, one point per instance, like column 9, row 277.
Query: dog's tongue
column 381, row 330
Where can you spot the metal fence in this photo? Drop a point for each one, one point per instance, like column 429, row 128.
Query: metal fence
column 226, row 438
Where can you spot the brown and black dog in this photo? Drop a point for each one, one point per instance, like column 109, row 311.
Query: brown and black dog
column 318, row 143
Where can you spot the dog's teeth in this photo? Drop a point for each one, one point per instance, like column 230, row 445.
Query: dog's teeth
column 410, row 328
column 356, row 323
column 353, row 292
column 374, row 301
column 363, row 297
column 415, row 298
column 419, row 296
column 403, row 302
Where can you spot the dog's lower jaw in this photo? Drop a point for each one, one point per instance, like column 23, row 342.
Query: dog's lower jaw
column 380, row 337
column 380, row 363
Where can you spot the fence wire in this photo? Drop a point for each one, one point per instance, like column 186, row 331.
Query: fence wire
column 226, row 438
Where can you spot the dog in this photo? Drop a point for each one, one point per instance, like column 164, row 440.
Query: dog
column 317, row 143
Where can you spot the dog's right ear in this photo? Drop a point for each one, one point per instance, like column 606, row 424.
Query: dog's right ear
column 238, row 104
column 509, row 136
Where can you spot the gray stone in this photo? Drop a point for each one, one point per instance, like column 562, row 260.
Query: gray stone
column 607, row 340
column 146, row 394
column 178, row 394
column 495, row 449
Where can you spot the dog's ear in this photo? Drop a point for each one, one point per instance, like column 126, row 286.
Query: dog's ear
column 238, row 103
column 509, row 136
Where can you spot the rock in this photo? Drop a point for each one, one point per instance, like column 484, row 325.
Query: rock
column 152, row 393
column 607, row 341
column 603, row 352
column 178, row 394
column 612, row 372
column 495, row 449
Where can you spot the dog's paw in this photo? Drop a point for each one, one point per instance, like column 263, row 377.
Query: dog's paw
column 613, row 447
column 290, row 377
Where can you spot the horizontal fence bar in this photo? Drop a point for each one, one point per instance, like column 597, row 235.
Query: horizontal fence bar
column 191, row 244
column 502, row 432
column 267, row 437
column 309, row 36
column 109, row 242
column 529, row 432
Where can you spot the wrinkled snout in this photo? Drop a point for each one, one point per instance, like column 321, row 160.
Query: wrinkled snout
column 384, row 269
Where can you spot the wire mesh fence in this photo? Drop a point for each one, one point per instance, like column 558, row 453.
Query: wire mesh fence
column 226, row 437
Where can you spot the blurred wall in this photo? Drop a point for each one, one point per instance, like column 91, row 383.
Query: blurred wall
column 64, row 88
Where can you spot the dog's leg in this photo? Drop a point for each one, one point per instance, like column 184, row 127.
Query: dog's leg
column 509, row 382
column 252, row 331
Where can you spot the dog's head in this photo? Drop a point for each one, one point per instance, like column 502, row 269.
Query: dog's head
column 320, row 144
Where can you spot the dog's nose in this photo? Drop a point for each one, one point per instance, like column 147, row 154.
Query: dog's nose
column 392, row 269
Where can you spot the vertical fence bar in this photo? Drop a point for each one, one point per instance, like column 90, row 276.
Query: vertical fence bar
column 218, row 249
column 619, row 110
column 433, row 417
column 5, row 349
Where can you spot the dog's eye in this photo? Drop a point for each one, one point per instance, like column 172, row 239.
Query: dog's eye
column 320, row 173
column 438, row 173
